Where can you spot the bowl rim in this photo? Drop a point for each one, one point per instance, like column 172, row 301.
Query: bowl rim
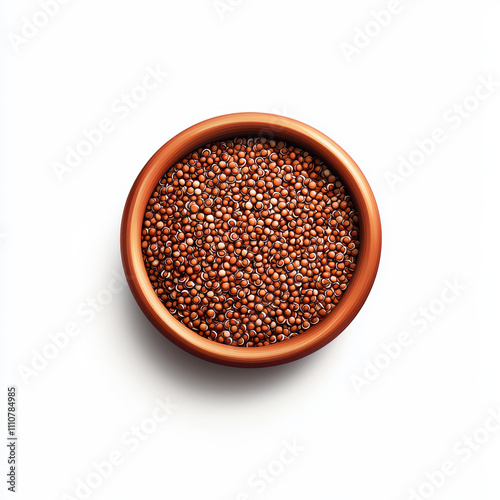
column 271, row 126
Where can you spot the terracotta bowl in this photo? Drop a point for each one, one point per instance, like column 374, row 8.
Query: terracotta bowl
column 270, row 126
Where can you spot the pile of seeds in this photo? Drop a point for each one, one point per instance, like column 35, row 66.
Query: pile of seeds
column 250, row 241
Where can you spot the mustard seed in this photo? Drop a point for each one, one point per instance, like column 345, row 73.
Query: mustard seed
column 250, row 242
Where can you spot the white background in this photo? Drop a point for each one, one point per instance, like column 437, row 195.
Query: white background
column 60, row 248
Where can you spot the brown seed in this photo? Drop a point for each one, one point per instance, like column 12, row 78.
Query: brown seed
column 250, row 242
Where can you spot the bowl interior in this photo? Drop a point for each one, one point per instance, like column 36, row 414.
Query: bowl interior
column 299, row 135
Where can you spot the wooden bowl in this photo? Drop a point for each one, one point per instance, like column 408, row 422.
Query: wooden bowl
column 270, row 126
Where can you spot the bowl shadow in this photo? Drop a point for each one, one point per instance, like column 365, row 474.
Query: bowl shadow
column 204, row 375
